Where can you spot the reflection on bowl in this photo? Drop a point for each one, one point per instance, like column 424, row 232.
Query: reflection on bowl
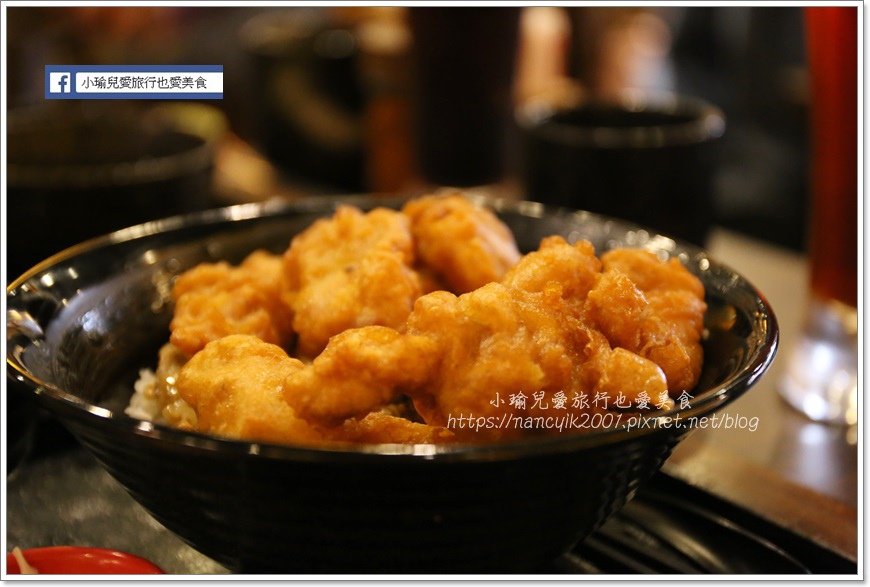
column 82, row 325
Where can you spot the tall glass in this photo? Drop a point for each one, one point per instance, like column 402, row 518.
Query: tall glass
column 822, row 376
column 464, row 62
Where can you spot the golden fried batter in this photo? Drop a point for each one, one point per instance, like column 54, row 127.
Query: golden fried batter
column 467, row 246
column 377, row 428
column 347, row 271
column 360, row 370
column 494, row 345
column 214, row 300
column 531, row 336
column 524, row 331
column 653, row 309
column 574, row 268
column 619, row 371
column 236, row 387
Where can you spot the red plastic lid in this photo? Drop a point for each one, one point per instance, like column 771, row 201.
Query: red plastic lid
column 75, row 560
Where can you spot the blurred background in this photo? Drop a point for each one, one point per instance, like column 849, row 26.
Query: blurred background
column 398, row 100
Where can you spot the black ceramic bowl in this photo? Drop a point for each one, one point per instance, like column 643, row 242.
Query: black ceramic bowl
column 82, row 323
column 645, row 157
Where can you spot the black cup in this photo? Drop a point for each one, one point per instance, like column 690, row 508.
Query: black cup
column 645, row 158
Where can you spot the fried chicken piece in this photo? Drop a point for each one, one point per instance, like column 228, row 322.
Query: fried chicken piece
column 214, row 300
column 467, row 246
column 347, row 271
column 577, row 270
column 238, row 387
column 497, row 348
column 654, row 309
column 622, row 373
column 235, row 385
column 379, row 428
column 559, row 322
column 360, row 371
column 650, row 273
column 574, row 267
column 529, row 338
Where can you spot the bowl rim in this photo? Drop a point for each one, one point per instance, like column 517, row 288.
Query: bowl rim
column 67, row 403
column 706, row 122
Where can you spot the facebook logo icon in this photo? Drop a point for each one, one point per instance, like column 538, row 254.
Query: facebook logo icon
column 60, row 82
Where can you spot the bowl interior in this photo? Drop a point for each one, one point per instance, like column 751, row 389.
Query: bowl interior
column 83, row 323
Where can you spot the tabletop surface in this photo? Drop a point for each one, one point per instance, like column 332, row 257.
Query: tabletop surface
column 821, row 457
column 803, row 474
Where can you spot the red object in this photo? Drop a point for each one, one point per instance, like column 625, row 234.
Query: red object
column 75, row 560
column 832, row 41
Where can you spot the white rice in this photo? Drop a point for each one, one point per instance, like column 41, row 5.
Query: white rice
column 145, row 403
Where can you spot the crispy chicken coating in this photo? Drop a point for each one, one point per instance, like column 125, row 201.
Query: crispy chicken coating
column 360, row 370
column 653, row 309
column 577, row 270
column 574, row 268
column 622, row 373
column 547, row 334
column 531, row 338
column 347, row 271
column 495, row 345
column 236, row 387
column 465, row 245
column 377, row 428
column 214, row 300
column 241, row 387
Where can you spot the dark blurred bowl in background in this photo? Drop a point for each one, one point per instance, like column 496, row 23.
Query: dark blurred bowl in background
column 76, row 171
column 81, row 326
column 648, row 158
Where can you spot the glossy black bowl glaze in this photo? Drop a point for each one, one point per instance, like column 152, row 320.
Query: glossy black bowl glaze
column 82, row 323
